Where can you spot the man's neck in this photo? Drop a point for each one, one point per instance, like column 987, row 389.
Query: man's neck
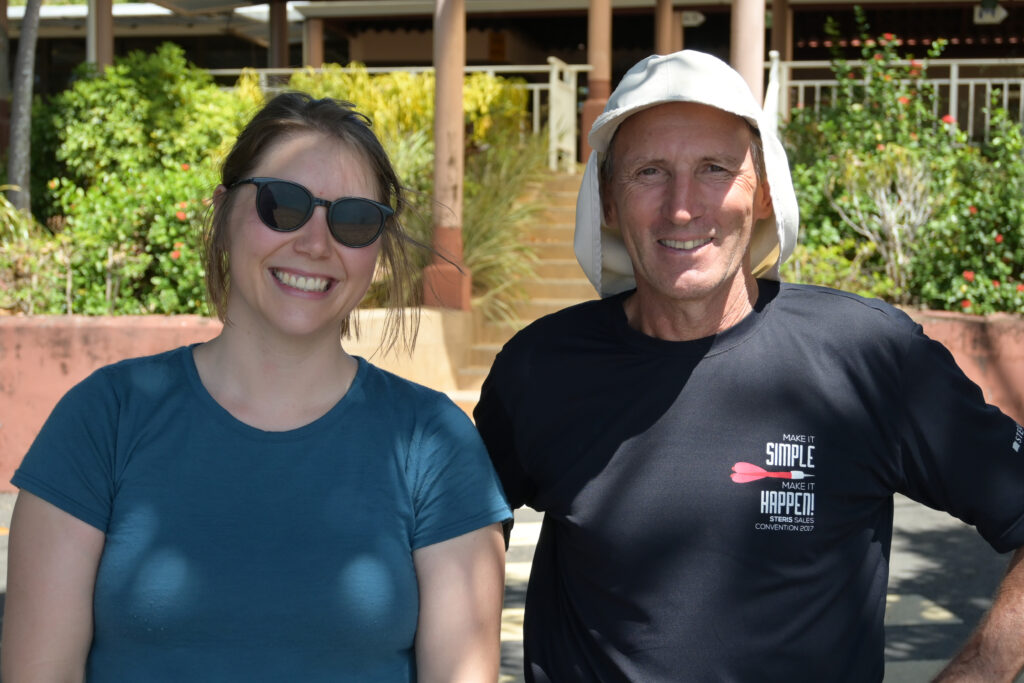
column 686, row 320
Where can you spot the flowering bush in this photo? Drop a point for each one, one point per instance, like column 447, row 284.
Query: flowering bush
column 130, row 246
column 909, row 182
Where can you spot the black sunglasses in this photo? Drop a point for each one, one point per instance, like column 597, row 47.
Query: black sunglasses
column 286, row 206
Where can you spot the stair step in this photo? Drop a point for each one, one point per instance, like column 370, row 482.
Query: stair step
column 560, row 182
column 559, row 288
column 483, row 354
column 554, row 250
column 554, row 213
column 491, row 332
column 549, row 232
column 559, row 268
column 471, row 377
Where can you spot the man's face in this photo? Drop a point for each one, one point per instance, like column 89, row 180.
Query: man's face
column 684, row 194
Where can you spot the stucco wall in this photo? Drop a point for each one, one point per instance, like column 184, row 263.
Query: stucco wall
column 42, row 357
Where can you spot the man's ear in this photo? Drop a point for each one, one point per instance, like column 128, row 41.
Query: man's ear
column 763, row 207
column 608, row 215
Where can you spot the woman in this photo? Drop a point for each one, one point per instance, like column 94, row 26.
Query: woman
column 264, row 506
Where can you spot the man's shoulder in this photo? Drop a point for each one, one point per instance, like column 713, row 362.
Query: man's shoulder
column 827, row 303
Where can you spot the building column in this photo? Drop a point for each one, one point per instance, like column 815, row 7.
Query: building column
column 599, row 79
column 99, row 39
column 677, row 30
column 746, row 43
column 663, row 33
column 313, row 43
column 782, row 29
column 277, row 52
column 446, row 281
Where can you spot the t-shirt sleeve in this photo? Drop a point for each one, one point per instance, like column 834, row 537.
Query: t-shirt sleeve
column 497, row 430
column 455, row 489
column 71, row 462
column 958, row 453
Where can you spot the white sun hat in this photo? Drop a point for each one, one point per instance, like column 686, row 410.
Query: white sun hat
column 687, row 76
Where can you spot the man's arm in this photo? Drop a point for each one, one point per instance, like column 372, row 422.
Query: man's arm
column 995, row 651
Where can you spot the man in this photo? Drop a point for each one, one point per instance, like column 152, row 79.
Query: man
column 715, row 452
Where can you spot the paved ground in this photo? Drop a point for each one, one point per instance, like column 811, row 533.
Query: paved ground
column 942, row 579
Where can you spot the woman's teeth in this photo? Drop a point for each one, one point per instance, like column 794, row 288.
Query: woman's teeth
column 301, row 282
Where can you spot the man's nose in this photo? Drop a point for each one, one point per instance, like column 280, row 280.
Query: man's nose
column 683, row 201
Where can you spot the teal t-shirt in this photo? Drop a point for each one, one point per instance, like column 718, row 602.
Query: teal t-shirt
column 236, row 554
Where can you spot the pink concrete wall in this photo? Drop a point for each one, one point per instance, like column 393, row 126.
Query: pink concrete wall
column 989, row 349
column 42, row 357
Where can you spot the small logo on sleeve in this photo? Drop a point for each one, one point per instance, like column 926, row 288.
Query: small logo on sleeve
column 1017, row 439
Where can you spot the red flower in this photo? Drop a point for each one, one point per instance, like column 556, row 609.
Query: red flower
column 175, row 254
column 878, row 57
column 181, row 216
column 851, row 75
column 182, row 205
column 185, row 167
column 999, row 239
column 53, row 184
column 965, row 304
column 973, row 209
column 904, row 100
column 1020, row 287
column 995, row 283
column 889, row 36
column 880, row 147
column 179, row 245
column 969, row 275
column 949, row 118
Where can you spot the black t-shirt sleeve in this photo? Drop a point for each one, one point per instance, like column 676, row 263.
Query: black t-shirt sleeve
column 958, row 453
column 496, row 427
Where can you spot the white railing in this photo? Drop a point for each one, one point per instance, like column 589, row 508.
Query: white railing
column 553, row 103
column 964, row 88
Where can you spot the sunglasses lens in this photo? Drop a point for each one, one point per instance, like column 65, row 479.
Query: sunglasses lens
column 283, row 206
column 356, row 222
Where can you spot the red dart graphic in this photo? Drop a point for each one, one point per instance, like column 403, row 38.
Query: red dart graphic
column 743, row 472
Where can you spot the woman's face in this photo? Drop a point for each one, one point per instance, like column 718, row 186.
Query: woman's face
column 304, row 282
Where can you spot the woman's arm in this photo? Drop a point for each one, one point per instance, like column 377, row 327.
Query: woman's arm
column 461, row 584
column 51, row 572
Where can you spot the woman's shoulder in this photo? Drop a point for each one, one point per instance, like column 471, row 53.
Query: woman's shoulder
column 401, row 393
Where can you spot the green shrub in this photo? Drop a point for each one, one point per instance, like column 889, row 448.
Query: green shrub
column 146, row 111
column 126, row 161
column 909, row 183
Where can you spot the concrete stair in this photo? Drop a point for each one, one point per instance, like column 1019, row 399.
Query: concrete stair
column 559, row 281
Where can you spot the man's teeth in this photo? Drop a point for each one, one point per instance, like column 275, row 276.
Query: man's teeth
column 685, row 244
column 306, row 284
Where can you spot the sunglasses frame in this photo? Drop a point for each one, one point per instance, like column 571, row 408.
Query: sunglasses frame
column 261, row 182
